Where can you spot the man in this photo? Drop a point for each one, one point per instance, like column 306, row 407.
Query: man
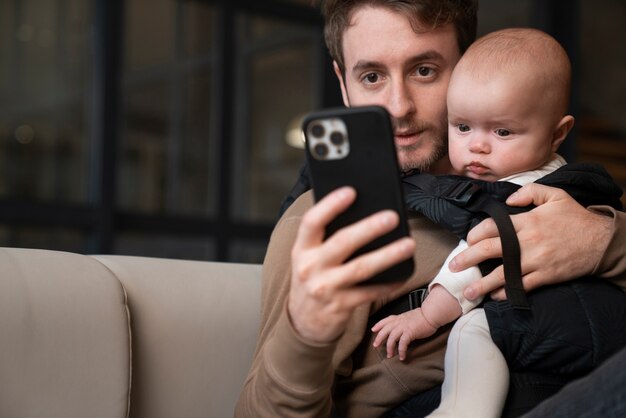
column 314, row 355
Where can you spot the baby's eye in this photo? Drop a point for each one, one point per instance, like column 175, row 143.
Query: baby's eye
column 503, row 132
column 463, row 127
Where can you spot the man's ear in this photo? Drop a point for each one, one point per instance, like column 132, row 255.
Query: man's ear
column 563, row 128
column 342, row 84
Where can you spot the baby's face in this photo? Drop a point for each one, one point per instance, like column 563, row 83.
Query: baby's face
column 498, row 126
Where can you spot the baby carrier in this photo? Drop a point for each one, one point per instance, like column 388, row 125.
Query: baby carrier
column 458, row 204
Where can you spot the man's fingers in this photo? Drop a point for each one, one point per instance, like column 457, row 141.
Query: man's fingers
column 314, row 221
column 335, row 288
column 344, row 242
column 493, row 284
column 485, row 285
column 485, row 229
column 477, row 253
column 542, row 253
column 536, row 194
column 498, row 294
column 369, row 264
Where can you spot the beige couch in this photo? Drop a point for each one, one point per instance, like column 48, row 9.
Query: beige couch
column 113, row 336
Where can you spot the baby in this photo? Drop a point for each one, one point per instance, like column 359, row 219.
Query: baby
column 507, row 113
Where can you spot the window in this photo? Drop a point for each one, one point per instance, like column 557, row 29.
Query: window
column 163, row 136
column 44, row 101
column 275, row 65
column 168, row 160
column 602, row 87
column 158, row 127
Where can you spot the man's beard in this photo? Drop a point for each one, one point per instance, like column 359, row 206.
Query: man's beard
column 431, row 135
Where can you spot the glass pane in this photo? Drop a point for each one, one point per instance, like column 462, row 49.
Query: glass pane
column 253, row 28
column 59, row 239
column 165, row 247
column 195, row 192
column 149, row 33
column 44, row 78
column 166, row 152
column 498, row 14
column 142, row 160
column 600, row 120
column 199, row 26
column 276, row 82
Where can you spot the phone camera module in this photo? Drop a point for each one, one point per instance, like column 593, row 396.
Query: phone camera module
column 317, row 130
column 327, row 138
column 336, row 138
column 321, row 150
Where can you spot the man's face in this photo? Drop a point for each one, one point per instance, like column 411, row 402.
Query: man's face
column 389, row 64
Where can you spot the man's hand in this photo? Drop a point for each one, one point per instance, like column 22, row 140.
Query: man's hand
column 560, row 240
column 323, row 291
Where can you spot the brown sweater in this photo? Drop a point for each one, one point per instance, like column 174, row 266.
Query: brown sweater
column 292, row 378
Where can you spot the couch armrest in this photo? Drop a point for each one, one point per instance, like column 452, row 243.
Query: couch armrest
column 194, row 332
column 64, row 337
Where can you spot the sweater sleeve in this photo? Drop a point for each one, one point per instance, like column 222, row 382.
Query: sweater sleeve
column 280, row 383
column 612, row 266
column 293, row 377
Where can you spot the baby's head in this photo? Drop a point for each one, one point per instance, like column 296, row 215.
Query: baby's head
column 507, row 104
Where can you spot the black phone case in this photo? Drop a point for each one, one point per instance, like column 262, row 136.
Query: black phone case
column 371, row 167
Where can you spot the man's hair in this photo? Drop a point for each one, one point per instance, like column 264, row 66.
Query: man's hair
column 429, row 14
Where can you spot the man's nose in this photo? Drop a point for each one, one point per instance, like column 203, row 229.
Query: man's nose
column 400, row 102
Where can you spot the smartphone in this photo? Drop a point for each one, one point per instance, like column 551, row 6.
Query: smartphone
column 355, row 147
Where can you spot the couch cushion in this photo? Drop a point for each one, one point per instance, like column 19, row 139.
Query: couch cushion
column 64, row 337
column 194, row 332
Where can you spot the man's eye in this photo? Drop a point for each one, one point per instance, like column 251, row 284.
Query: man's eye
column 424, row 71
column 503, row 132
column 371, row 78
column 463, row 127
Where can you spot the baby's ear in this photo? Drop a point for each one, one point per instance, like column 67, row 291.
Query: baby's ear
column 562, row 129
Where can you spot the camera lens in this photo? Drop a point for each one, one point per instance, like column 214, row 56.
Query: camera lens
column 321, row 150
column 336, row 138
column 317, row 130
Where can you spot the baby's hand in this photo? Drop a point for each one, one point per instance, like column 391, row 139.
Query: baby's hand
column 400, row 330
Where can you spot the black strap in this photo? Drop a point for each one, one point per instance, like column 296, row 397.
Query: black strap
column 476, row 200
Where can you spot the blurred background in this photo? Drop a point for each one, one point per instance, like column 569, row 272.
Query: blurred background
column 160, row 127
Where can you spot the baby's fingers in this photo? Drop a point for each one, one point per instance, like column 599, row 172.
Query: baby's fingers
column 392, row 342
column 403, row 346
column 383, row 333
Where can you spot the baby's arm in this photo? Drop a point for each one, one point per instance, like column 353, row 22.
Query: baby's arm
column 456, row 282
column 444, row 303
column 439, row 308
